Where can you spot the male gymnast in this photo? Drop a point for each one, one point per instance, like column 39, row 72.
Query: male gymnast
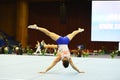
column 63, row 53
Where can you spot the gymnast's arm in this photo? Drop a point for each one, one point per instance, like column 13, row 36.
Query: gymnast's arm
column 57, row 59
column 74, row 67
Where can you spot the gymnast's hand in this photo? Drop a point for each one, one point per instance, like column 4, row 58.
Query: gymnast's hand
column 81, row 72
column 80, row 29
column 33, row 26
column 42, row 72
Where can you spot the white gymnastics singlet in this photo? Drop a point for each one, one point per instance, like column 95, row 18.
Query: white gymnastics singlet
column 63, row 49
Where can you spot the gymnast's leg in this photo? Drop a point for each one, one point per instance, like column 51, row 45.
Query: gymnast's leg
column 74, row 33
column 52, row 35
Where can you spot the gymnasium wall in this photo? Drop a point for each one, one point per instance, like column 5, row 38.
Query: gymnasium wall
column 48, row 15
column 78, row 14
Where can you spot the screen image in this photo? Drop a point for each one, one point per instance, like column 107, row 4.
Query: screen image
column 105, row 23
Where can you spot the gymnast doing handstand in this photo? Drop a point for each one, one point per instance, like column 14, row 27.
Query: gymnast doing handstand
column 63, row 52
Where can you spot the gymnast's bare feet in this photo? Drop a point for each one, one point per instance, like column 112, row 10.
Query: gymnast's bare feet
column 33, row 26
column 80, row 29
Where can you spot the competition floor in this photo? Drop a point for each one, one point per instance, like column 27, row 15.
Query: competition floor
column 24, row 67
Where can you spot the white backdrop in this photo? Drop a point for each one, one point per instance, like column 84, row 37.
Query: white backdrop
column 105, row 21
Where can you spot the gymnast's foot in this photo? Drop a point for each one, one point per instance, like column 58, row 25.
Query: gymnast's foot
column 80, row 29
column 33, row 26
